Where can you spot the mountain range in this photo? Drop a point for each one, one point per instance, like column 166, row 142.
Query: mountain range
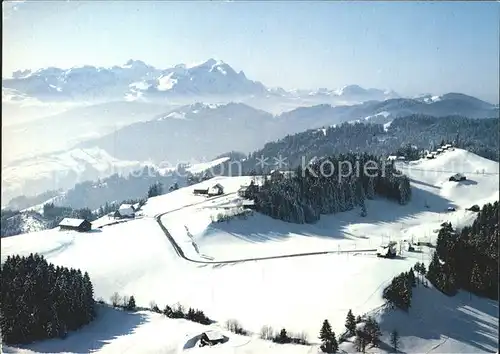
column 135, row 114
column 202, row 131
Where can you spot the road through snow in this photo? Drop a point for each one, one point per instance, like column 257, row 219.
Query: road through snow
column 181, row 253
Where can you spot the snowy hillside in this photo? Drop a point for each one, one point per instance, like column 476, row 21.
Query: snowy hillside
column 23, row 223
column 143, row 257
column 62, row 130
column 198, row 131
column 115, row 188
column 60, row 170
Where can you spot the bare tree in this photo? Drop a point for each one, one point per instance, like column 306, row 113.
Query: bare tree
column 115, row 299
column 235, row 327
column 266, row 332
column 125, row 300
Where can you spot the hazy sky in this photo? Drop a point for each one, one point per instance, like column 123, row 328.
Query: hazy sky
column 410, row 47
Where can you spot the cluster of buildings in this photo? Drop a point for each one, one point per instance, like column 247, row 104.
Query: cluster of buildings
column 125, row 211
column 216, row 189
column 433, row 154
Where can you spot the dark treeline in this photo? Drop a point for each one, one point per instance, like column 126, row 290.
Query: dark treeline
column 468, row 258
column 330, row 185
column 40, row 300
column 480, row 136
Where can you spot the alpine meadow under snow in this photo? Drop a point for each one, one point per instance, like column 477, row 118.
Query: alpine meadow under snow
column 228, row 280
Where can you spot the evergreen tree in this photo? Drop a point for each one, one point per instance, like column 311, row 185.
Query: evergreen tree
column 328, row 341
column 350, row 323
column 131, row 303
column 361, row 341
column 395, row 340
column 372, row 330
column 411, row 278
column 399, row 292
column 283, row 337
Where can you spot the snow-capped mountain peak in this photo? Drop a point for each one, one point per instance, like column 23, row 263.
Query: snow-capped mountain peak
column 134, row 63
column 137, row 80
column 133, row 80
column 350, row 90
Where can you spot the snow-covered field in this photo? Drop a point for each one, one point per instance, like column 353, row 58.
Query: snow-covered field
column 136, row 258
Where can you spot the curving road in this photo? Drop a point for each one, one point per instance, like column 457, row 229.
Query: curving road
column 181, row 254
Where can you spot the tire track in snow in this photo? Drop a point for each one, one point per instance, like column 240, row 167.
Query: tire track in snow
column 437, row 345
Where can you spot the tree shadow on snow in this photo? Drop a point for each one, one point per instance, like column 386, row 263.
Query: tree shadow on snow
column 261, row 228
column 433, row 315
column 109, row 324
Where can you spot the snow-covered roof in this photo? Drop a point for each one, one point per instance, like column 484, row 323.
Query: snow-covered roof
column 71, row 222
column 214, row 335
column 392, row 157
column 126, row 209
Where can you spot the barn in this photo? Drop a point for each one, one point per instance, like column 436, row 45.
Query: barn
column 242, row 192
column 216, row 190
column 200, row 191
column 125, row 211
column 387, row 250
column 80, row 225
column 211, row 338
column 457, row 177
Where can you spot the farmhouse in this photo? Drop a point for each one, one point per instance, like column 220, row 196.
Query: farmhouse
column 200, row 191
column 211, row 338
column 387, row 250
column 242, row 192
column 125, row 211
column 430, row 156
column 80, row 225
column 217, row 189
column 457, row 177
